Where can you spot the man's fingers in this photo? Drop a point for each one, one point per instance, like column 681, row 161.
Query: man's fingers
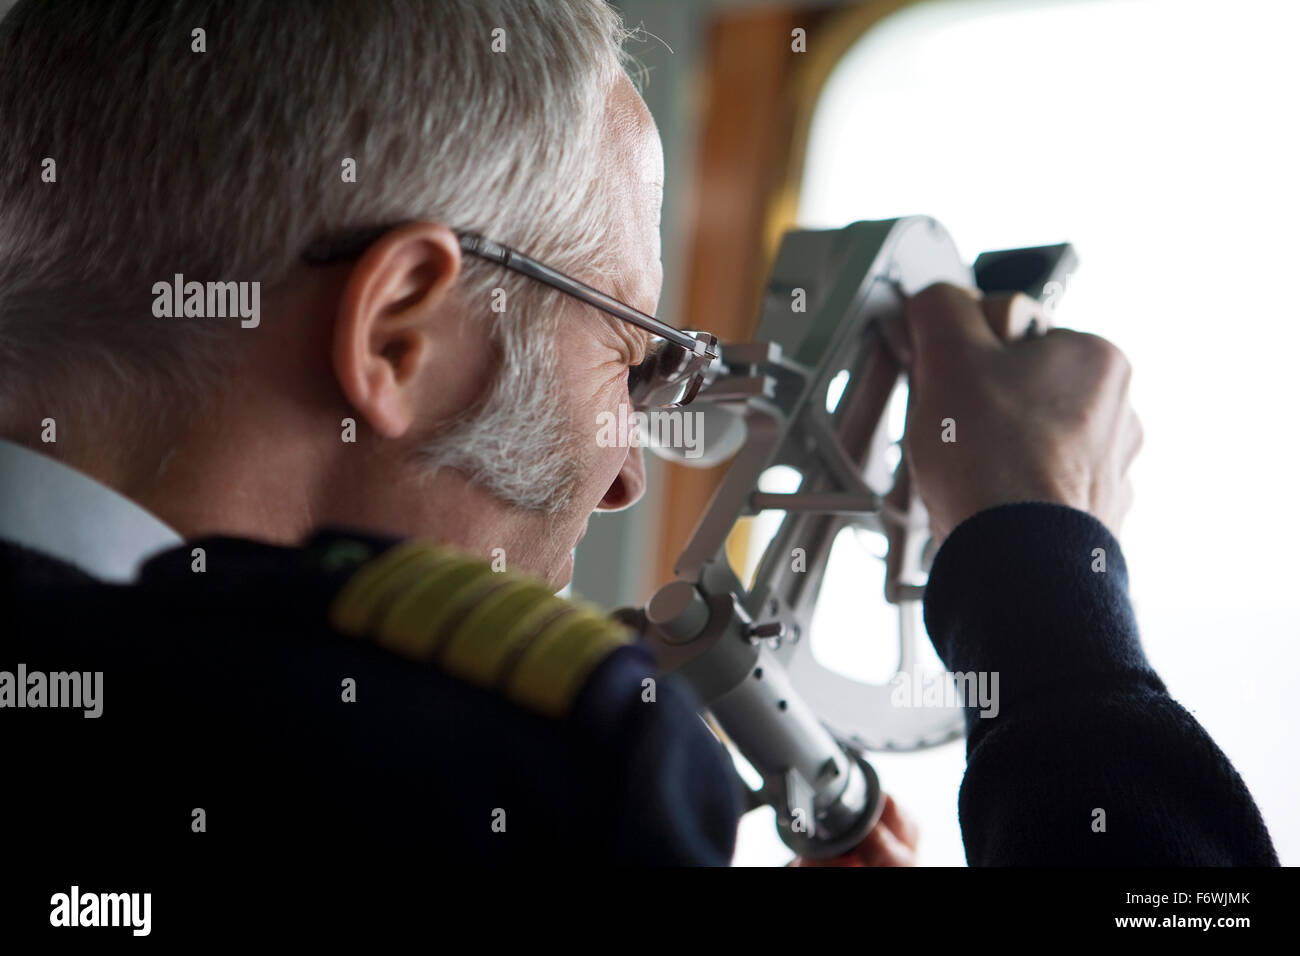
column 945, row 319
column 1013, row 315
column 883, row 847
column 880, row 847
column 891, row 842
column 941, row 314
column 903, row 826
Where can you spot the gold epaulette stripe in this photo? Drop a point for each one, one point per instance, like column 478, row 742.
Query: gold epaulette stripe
column 558, row 662
column 371, row 587
column 500, row 630
column 420, row 619
column 492, row 635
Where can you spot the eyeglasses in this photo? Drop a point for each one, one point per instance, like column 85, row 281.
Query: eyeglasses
column 669, row 377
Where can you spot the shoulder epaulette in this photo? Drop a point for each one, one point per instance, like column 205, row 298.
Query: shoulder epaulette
column 498, row 629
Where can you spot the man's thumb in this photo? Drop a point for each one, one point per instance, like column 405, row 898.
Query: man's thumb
column 1014, row 315
column 943, row 319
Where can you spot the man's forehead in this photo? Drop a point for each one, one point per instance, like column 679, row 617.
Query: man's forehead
column 635, row 170
column 633, row 137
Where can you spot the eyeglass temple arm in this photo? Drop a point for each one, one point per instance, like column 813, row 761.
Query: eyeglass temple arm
column 477, row 245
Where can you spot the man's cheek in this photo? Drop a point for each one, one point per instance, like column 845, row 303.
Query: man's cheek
column 610, row 455
column 611, row 464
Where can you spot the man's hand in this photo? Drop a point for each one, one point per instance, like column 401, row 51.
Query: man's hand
column 891, row 842
column 993, row 420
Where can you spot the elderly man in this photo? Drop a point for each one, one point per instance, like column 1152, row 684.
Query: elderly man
column 173, row 451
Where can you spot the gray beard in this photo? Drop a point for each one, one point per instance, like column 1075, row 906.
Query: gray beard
column 517, row 444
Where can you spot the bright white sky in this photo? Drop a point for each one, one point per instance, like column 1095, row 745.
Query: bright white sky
column 1160, row 137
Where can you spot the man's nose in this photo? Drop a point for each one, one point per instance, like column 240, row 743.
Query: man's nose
column 629, row 486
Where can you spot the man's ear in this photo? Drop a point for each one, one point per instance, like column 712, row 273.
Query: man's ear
column 384, row 331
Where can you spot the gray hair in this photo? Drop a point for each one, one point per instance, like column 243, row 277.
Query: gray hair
column 225, row 164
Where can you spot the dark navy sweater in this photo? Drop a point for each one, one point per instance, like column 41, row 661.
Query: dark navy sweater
column 1084, row 725
column 221, row 692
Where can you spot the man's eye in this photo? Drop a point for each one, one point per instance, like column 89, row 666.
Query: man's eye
column 652, row 355
column 638, row 375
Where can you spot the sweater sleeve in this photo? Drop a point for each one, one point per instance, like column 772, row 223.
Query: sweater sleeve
column 1085, row 759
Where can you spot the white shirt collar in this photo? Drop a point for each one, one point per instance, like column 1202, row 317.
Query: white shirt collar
column 52, row 508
